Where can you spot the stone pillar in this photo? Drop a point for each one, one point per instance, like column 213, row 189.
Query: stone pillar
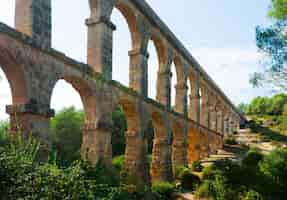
column 179, row 146
column 97, row 131
column 138, row 71
column 226, row 126
column 213, row 115
column 100, row 45
column 96, row 145
column 31, row 119
column 164, row 87
column 136, row 163
column 33, row 17
column 161, row 167
column 194, row 112
column 181, row 98
column 193, row 145
column 204, row 116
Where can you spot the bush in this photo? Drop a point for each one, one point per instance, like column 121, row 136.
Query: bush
column 252, row 195
column 178, row 170
column 188, row 180
column 209, row 172
column 252, row 158
column 163, row 190
column 203, row 191
column 230, row 140
column 196, row 166
column 118, row 162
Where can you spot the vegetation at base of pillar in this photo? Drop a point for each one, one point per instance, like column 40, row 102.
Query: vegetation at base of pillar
column 23, row 177
column 272, row 42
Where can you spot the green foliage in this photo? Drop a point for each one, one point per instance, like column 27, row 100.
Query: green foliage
column 4, row 128
column 252, row 158
column 118, row 131
column 188, row 180
column 66, row 129
column 278, row 9
column 285, row 110
column 277, row 104
column 163, row 190
column 196, row 166
column 252, row 195
column 259, row 105
column 274, row 166
column 258, row 177
column 242, row 107
column 178, row 170
column 22, row 177
column 118, row 162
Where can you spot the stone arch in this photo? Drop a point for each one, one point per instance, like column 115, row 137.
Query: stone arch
column 180, row 86
column 88, row 144
column 15, row 74
column 136, row 163
column 86, row 93
column 161, row 74
column 131, row 19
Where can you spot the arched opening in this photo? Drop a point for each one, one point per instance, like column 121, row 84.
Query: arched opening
column 7, row 10
column 173, row 85
column 122, row 44
column 5, row 99
column 153, row 68
column 71, row 116
column 118, row 134
column 69, row 33
column 189, row 93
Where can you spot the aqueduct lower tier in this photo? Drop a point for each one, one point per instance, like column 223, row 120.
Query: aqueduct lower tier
column 182, row 134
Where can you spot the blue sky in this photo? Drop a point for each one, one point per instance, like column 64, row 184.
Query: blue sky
column 220, row 34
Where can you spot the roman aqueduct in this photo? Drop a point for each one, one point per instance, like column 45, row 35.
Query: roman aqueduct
column 182, row 134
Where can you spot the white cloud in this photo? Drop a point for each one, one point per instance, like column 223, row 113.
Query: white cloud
column 230, row 68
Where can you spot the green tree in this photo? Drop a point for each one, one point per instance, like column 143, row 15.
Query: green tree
column 278, row 9
column 67, row 134
column 242, row 107
column 4, row 128
column 272, row 42
column 285, row 110
column 118, row 132
column 259, row 105
column 277, row 104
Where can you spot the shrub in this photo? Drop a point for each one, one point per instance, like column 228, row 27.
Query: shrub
column 252, row 158
column 178, row 170
column 230, row 140
column 209, row 172
column 188, row 180
column 163, row 190
column 216, row 189
column 118, row 162
column 196, row 166
column 274, row 168
column 203, row 191
column 251, row 195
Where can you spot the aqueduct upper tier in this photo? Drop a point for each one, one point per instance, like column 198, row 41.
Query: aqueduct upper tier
column 182, row 134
